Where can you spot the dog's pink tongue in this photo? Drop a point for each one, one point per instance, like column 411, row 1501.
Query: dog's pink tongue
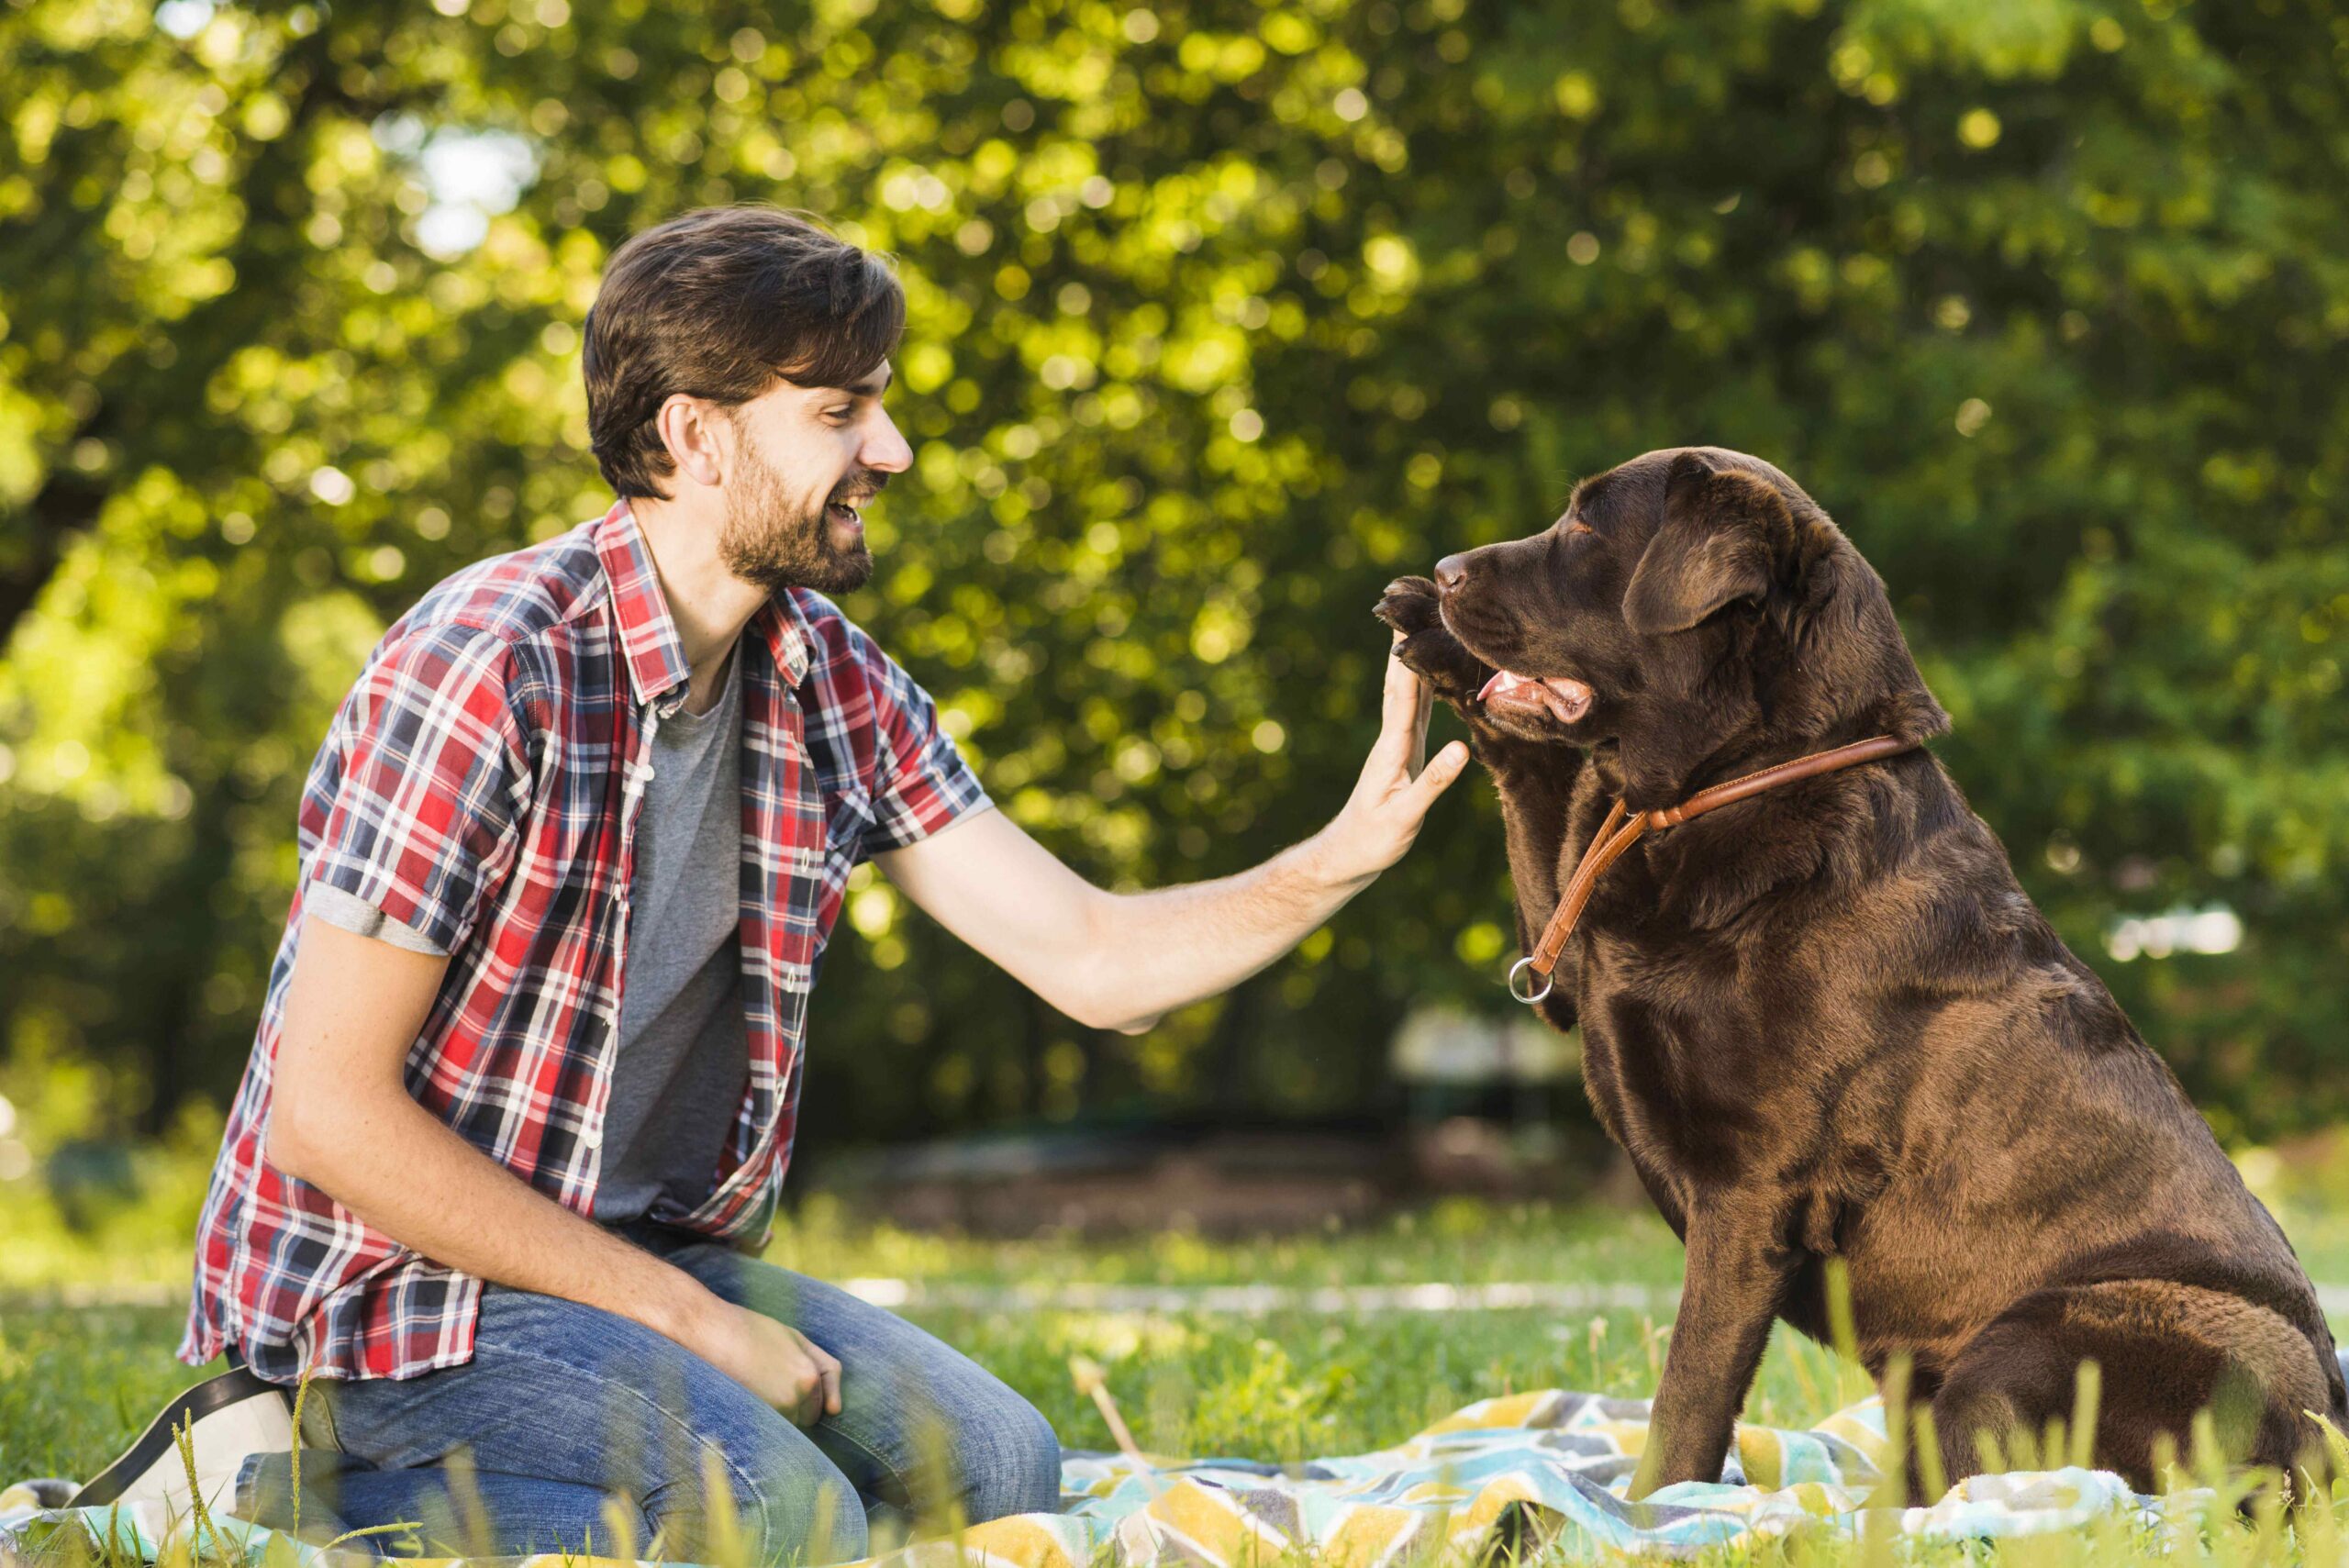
column 1565, row 700
column 1502, row 681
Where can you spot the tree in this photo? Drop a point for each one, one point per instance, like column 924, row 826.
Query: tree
column 1221, row 315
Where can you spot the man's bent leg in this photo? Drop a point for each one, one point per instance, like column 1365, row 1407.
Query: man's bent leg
column 569, row 1393
column 922, row 1428
column 483, row 1513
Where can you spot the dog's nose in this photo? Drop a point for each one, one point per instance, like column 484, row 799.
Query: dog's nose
column 1450, row 572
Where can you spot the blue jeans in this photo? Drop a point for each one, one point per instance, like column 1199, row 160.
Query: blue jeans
column 582, row 1428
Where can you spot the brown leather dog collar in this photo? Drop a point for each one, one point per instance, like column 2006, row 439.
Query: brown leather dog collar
column 1621, row 830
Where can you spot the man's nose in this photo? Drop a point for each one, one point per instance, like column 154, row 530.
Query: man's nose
column 886, row 449
column 1450, row 572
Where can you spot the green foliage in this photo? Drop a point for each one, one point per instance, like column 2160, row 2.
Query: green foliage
column 1221, row 315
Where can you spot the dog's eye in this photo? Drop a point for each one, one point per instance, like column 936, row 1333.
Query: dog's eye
column 1576, row 526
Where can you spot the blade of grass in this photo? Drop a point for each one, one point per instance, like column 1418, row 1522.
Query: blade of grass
column 1092, row 1382
column 1931, row 1473
column 722, row 1540
column 301, row 1398
column 372, row 1530
column 2088, row 1398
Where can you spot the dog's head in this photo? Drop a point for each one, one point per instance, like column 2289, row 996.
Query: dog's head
column 1690, row 605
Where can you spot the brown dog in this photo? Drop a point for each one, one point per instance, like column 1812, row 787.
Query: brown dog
column 1826, row 1022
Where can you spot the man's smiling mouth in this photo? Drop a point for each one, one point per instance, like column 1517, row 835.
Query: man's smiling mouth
column 1557, row 697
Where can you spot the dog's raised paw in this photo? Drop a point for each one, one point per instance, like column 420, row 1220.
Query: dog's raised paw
column 1409, row 604
column 1428, row 649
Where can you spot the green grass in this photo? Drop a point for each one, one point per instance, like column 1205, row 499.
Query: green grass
column 76, row 1381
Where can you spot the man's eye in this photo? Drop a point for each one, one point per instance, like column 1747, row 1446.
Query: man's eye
column 838, row 415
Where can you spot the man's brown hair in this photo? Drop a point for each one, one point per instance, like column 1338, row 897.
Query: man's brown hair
column 718, row 303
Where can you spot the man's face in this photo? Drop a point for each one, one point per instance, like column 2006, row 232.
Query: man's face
column 807, row 460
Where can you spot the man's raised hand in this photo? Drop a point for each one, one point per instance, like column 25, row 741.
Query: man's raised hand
column 1391, row 798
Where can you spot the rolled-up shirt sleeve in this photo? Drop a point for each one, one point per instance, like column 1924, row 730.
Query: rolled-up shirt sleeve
column 922, row 781
column 340, row 909
column 433, row 787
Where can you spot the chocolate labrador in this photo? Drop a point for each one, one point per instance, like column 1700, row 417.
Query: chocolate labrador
column 1825, row 1022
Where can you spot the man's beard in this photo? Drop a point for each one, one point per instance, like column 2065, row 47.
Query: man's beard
column 771, row 542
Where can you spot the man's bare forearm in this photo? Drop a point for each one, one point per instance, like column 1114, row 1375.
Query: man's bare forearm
column 1120, row 960
column 1154, row 951
column 393, row 1164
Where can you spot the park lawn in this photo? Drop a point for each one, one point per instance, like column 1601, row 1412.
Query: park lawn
column 77, row 1380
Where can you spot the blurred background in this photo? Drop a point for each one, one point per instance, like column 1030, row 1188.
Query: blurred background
column 1221, row 315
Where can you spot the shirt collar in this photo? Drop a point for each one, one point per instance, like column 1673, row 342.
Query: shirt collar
column 784, row 625
column 654, row 653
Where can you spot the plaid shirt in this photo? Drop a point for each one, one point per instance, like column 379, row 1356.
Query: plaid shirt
column 481, row 786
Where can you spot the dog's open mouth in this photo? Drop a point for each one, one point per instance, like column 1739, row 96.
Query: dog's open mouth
column 1557, row 697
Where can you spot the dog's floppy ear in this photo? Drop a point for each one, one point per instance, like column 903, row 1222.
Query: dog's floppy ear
column 1713, row 550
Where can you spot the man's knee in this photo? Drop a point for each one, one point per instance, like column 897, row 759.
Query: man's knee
column 785, row 1503
column 1011, row 1462
column 806, row 1517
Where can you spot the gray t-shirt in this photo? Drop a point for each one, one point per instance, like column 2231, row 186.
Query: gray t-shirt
column 683, row 1057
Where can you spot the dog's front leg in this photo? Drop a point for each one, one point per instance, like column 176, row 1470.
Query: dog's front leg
column 1738, row 1270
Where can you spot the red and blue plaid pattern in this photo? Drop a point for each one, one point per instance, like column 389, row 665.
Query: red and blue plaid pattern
column 481, row 784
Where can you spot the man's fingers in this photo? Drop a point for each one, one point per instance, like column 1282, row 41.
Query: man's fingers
column 1425, row 710
column 1437, row 776
column 1403, row 713
column 818, row 1398
column 825, row 1393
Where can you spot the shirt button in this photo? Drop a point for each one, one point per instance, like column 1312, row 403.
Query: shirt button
column 593, row 1138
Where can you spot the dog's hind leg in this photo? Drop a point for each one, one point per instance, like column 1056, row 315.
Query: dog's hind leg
column 2165, row 1353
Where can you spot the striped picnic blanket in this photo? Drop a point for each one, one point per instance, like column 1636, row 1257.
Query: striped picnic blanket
column 1546, row 1470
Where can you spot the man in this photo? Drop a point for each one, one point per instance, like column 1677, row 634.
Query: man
column 525, row 1085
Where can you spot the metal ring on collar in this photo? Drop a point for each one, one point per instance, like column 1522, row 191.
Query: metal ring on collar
column 1519, row 967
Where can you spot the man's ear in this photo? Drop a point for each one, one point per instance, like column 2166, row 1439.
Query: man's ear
column 1713, row 550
